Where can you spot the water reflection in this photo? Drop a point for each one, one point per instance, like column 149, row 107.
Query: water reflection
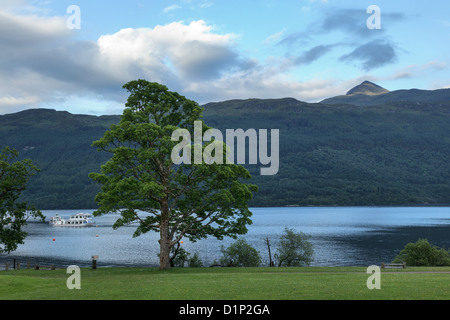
column 358, row 236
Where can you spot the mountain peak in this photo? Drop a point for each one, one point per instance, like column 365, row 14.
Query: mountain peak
column 367, row 88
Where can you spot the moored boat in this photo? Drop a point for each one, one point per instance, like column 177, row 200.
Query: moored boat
column 75, row 220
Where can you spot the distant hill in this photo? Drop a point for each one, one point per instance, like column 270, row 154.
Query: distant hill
column 59, row 143
column 367, row 88
column 393, row 153
column 370, row 94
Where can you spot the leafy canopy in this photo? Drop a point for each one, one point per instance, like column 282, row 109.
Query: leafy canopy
column 14, row 176
column 423, row 253
column 142, row 183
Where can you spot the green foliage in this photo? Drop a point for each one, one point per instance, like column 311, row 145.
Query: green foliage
column 240, row 254
column 181, row 256
column 195, row 261
column 294, row 249
column 422, row 253
column 142, row 183
column 14, row 176
column 394, row 154
column 59, row 144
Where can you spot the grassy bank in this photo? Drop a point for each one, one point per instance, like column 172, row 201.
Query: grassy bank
column 226, row 284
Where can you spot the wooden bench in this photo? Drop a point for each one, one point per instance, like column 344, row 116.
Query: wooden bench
column 393, row 265
column 16, row 265
column 37, row 267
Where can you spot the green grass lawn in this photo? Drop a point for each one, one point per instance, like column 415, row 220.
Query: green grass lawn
column 313, row 283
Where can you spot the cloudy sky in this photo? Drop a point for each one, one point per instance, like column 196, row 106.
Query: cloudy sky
column 214, row 50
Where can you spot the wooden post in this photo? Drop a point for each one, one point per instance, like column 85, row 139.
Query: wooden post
column 6, row 266
column 94, row 262
column 28, row 264
column 18, row 265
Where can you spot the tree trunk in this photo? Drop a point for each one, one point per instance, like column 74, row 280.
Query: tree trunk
column 270, row 255
column 164, row 241
column 164, row 255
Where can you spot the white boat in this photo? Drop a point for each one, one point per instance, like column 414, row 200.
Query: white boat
column 75, row 220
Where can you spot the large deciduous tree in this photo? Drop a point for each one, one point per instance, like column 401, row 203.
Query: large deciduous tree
column 14, row 176
column 142, row 183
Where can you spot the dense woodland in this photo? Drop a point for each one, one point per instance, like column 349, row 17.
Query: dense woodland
column 395, row 153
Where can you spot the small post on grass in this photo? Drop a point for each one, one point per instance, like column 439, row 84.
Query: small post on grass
column 94, row 262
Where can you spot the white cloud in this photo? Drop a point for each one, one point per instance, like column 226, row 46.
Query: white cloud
column 43, row 66
column 273, row 38
column 171, row 8
column 42, row 63
column 187, row 52
column 417, row 70
column 205, row 4
column 7, row 102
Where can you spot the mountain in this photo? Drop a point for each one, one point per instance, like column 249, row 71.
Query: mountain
column 367, row 88
column 59, row 143
column 370, row 94
column 393, row 153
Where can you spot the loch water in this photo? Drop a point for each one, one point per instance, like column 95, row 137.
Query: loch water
column 341, row 236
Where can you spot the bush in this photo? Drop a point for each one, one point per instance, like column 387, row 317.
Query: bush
column 240, row 254
column 195, row 261
column 422, row 253
column 295, row 249
column 181, row 257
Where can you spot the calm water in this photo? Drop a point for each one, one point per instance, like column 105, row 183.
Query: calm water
column 358, row 236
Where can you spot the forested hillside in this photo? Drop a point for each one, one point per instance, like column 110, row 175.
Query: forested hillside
column 394, row 153
column 59, row 143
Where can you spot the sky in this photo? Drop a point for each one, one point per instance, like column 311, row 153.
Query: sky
column 76, row 55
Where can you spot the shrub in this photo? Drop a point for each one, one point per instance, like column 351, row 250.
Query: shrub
column 181, row 257
column 240, row 254
column 195, row 261
column 422, row 253
column 295, row 249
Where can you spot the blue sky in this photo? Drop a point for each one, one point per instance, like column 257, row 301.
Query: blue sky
column 215, row 50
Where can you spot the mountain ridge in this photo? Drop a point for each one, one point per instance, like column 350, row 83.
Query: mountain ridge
column 379, row 95
column 330, row 154
column 367, row 88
